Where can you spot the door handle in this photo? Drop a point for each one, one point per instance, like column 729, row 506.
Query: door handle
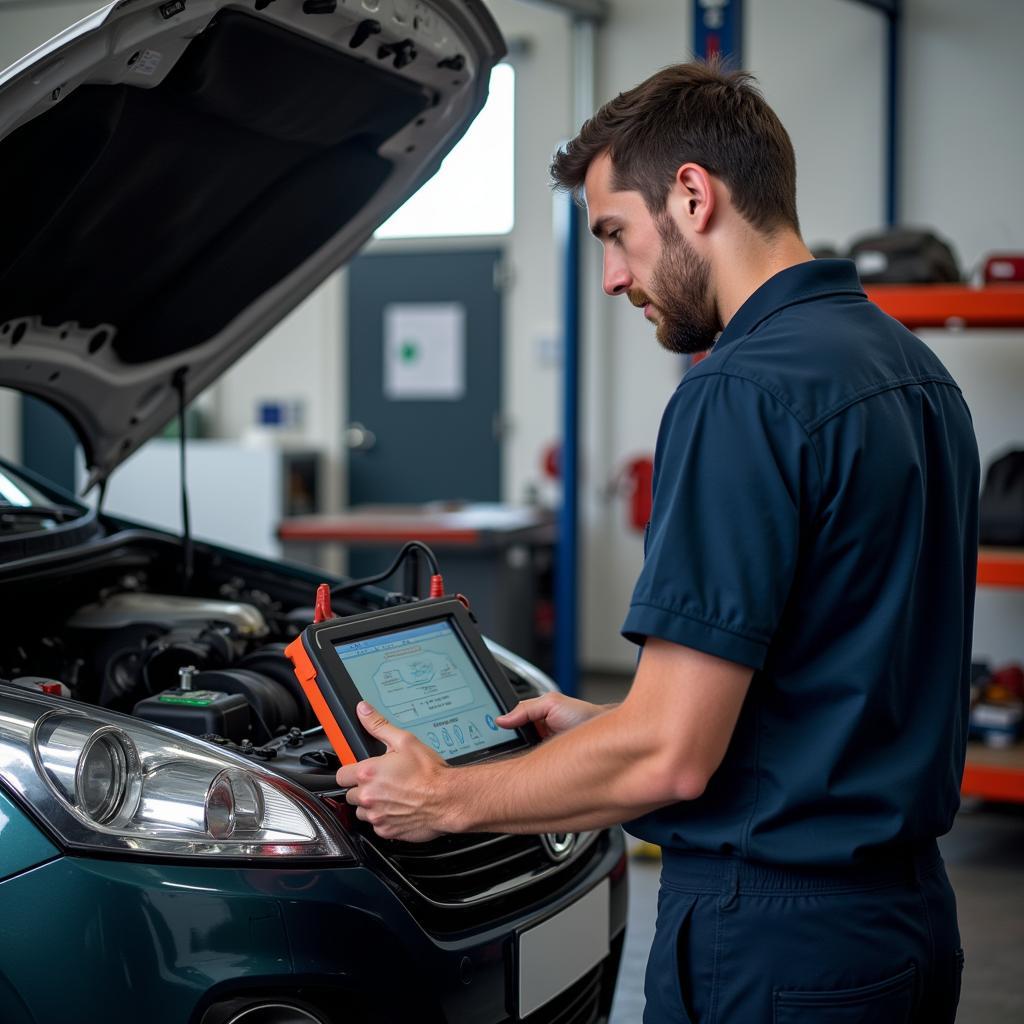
column 358, row 438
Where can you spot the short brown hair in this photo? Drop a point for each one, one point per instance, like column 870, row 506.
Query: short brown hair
column 698, row 112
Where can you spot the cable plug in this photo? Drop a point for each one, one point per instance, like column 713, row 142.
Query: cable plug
column 322, row 609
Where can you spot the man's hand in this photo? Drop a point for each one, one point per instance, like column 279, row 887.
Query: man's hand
column 551, row 714
column 400, row 792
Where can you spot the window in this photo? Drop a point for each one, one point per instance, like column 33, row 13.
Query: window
column 471, row 194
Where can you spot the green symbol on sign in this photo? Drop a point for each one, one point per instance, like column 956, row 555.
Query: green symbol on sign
column 410, row 351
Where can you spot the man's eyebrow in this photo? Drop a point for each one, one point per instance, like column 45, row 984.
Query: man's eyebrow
column 600, row 226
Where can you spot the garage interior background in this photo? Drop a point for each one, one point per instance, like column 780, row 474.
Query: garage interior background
column 821, row 64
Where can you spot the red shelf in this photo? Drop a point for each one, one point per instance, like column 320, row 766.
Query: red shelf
column 1001, row 567
column 994, row 774
column 989, row 773
column 951, row 305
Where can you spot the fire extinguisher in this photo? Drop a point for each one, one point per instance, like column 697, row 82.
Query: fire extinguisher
column 637, row 479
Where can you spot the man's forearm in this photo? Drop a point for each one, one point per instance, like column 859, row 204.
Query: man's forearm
column 602, row 772
column 661, row 745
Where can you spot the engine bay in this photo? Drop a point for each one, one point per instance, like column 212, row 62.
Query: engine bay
column 108, row 625
column 131, row 651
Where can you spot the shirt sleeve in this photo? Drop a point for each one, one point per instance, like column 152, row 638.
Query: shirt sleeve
column 731, row 471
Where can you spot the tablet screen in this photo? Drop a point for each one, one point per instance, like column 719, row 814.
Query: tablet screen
column 424, row 680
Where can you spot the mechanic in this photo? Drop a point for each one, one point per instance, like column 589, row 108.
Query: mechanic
column 794, row 734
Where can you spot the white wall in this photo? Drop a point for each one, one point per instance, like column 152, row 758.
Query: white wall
column 10, row 425
column 962, row 150
column 821, row 65
column 532, row 375
column 300, row 360
column 28, row 23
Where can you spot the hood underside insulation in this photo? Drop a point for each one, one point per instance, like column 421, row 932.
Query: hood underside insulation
column 164, row 212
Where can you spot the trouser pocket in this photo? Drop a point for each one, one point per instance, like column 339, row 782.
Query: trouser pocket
column 664, row 989
column 890, row 1001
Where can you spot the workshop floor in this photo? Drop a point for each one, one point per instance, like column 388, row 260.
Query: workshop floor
column 984, row 856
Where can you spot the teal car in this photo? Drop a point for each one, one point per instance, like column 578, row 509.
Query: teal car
column 174, row 178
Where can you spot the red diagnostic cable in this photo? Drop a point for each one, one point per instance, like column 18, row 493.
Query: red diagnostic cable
column 322, row 610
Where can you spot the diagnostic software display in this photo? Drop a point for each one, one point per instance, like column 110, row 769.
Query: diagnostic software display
column 423, row 665
column 423, row 679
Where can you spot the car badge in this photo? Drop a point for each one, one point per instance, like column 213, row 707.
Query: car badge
column 558, row 844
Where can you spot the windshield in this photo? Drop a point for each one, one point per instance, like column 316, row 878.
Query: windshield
column 26, row 509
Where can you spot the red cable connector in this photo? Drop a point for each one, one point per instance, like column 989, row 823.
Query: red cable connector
column 322, row 610
column 437, row 585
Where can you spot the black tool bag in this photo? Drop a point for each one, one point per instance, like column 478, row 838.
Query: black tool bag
column 904, row 256
column 1002, row 502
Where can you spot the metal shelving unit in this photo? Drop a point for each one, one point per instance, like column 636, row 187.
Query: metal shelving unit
column 991, row 774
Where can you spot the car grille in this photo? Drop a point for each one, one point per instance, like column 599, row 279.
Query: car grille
column 466, row 869
column 471, row 870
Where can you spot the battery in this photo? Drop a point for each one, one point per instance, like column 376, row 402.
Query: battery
column 199, row 712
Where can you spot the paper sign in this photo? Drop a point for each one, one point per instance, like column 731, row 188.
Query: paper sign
column 425, row 351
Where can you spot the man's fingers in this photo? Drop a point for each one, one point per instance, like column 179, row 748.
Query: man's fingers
column 513, row 719
column 377, row 725
column 525, row 711
column 346, row 776
column 535, row 709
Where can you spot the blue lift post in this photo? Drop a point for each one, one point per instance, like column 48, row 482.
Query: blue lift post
column 587, row 15
column 718, row 30
column 893, row 11
column 567, row 555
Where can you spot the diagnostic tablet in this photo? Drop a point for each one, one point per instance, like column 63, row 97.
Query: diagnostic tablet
column 424, row 666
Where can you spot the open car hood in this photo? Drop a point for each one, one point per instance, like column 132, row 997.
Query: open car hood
column 176, row 176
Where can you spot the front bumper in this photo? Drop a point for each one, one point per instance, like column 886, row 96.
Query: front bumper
column 117, row 941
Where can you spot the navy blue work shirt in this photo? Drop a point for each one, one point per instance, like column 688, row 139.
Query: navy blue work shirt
column 815, row 518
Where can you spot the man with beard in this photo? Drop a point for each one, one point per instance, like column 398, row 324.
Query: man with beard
column 794, row 734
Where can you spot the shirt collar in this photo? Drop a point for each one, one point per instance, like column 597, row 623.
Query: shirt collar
column 814, row 279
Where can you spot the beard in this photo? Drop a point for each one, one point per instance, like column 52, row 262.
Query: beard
column 688, row 319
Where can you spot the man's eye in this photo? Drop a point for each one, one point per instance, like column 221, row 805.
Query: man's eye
column 614, row 235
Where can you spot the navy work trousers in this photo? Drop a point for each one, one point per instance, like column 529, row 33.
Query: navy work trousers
column 740, row 943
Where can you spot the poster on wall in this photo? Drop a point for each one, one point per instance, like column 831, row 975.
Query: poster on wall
column 425, row 351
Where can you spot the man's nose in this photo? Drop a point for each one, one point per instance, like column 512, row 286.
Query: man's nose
column 617, row 278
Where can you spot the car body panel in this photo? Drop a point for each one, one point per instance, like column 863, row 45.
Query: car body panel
column 22, row 845
column 200, row 932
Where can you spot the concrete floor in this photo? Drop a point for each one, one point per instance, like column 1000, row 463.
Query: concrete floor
column 984, row 856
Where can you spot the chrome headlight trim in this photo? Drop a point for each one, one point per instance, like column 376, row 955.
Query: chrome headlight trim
column 521, row 667
column 45, row 785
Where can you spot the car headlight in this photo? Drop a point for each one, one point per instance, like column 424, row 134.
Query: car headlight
column 108, row 782
column 529, row 673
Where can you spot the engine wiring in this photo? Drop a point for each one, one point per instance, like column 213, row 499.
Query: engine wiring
column 408, row 550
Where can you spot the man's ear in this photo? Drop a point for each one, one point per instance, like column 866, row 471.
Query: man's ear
column 692, row 199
